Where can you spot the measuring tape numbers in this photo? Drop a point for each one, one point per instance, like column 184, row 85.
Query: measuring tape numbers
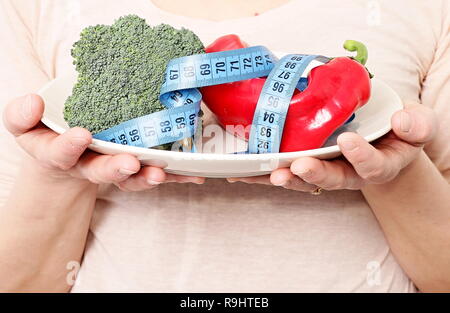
column 273, row 103
column 166, row 126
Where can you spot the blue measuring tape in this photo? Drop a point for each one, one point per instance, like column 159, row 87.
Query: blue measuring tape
column 177, row 122
column 273, row 103
column 179, row 94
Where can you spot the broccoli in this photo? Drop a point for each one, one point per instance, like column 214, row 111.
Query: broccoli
column 121, row 70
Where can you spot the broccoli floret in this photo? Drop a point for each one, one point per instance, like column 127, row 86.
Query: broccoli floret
column 121, row 70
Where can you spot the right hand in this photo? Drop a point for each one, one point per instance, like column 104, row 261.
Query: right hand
column 66, row 156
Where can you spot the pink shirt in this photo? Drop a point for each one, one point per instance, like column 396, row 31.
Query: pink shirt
column 238, row 237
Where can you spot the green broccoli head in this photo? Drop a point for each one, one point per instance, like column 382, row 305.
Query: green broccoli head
column 121, row 69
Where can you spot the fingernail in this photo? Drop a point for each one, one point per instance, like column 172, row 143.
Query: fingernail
column 126, row 172
column 405, row 121
column 27, row 108
column 153, row 182
column 78, row 142
column 348, row 146
column 231, row 180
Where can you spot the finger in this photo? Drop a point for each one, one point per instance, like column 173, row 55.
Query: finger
column 147, row 178
column 416, row 125
column 106, row 168
column 370, row 164
column 285, row 178
column 172, row 178
column 150, row 177
column 262, row 180
column 330, row 175
column 65, row 150
column 281, row 177
column 60, row 151
column 23, row 114
column 36, row 141
column 21, row 118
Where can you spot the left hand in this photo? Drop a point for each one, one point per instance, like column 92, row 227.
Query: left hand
column 362, row 163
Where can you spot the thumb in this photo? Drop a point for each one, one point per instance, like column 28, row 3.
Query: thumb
column 23, row 114
column 417, row 124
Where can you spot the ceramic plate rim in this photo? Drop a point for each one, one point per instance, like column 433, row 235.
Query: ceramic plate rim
column 215, row 156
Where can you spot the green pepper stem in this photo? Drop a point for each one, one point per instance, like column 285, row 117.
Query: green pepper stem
column 361, row 51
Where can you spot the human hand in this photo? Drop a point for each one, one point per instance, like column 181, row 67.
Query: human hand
column 66, row 156
column 362, row 163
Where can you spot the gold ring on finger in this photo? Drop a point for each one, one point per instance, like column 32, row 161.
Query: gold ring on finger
column 317, row 192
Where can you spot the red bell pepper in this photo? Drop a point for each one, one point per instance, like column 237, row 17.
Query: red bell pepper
column 335, row 90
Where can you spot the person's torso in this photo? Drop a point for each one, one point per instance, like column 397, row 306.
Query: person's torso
column 239, row 237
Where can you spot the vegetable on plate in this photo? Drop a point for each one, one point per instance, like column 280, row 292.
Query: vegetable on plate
column 335, row 91
column 121, row 69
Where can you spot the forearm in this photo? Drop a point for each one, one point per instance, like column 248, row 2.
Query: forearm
column 414, row 213
column 43, row 226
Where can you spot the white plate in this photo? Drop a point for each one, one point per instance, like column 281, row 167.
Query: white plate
column 372, row 122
